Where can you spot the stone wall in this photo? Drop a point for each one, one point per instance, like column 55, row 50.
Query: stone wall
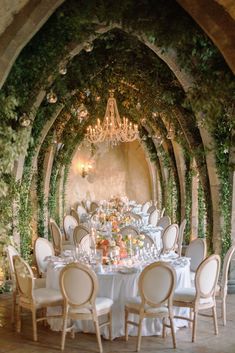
column 122, row 170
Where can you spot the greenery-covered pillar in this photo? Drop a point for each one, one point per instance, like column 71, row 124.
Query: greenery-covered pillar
column 47, row 166
column 231, row 281
column 61, row 195
column 218, row 222
column 180, row 164
column 194, row 209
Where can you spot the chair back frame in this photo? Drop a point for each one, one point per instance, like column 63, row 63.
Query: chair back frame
column 39, row 242
column 77, row 273
column 129, row 230
column 56, row 236
column 158, row 267
column 24, row 278
column 145, row 206
column 79, row 232
column 164, row 222
column 69, row 223
column 211, row 279
column 154, row 217
column 169, row 238
column 200, row 243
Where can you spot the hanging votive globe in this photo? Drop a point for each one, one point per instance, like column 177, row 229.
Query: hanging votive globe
column 63, row 70
column 88, row 47
column 24, row 120
column 51, row 97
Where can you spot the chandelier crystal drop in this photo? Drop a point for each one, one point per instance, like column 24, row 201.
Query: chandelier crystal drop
column 112, row 130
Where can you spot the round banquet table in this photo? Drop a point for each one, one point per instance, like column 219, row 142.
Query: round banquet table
column 119, row 287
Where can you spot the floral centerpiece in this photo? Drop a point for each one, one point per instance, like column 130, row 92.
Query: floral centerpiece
column 119, row 246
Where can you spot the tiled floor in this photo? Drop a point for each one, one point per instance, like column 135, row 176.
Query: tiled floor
column 49, row 342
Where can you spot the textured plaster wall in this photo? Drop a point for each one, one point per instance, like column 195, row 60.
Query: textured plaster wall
column 122, row 170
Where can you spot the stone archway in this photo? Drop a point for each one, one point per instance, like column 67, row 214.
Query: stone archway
column 170, row 58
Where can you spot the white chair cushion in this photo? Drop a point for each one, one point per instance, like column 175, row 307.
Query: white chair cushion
column 101, row 303
column 135, row 303
column 46, row 295
column 188, row 295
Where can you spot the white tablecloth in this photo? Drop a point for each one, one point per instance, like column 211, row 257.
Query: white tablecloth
column 119, row 287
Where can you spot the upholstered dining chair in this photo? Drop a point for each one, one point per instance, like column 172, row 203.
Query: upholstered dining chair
column 79, row 232
column 151, row 209
column 156, row 287
column 42, row 249
column 181, row 237
column 202, row 296
column 87, row 205
column 69, row 223
column 169, row 238
column 154, row 217
column 133, row 215
column 129, row 230
column 79, row 287
column 164, row 222
column 145, row 206
column 85, row 243
column 196, row 251
column 93, row 207
column 32, row 298
column 11, row 252
column 57, row 239
column 82, row 212
column 74, row 213
column 222, row 287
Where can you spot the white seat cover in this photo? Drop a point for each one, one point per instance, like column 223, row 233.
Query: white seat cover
column 46, row 295
column 101, row 303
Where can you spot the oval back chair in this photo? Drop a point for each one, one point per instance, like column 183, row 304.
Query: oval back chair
column 69, row 223
column 42, row 249
column 156, row 287
column 129, row 230
column 169, row 238
column 164, row 222
column 79, row 287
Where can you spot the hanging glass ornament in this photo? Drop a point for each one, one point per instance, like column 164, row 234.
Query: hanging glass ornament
column 24, row 120
column 143, row 121
column 87, row 92
column 138, row 106
column 51, row 97
column 97, row 99
column 63, row 70
column 88, row 47
column 82, row 112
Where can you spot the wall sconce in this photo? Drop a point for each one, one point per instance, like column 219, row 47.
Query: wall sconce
column 85, row 170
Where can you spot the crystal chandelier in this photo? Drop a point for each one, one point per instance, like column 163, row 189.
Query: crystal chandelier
column 112, row 130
